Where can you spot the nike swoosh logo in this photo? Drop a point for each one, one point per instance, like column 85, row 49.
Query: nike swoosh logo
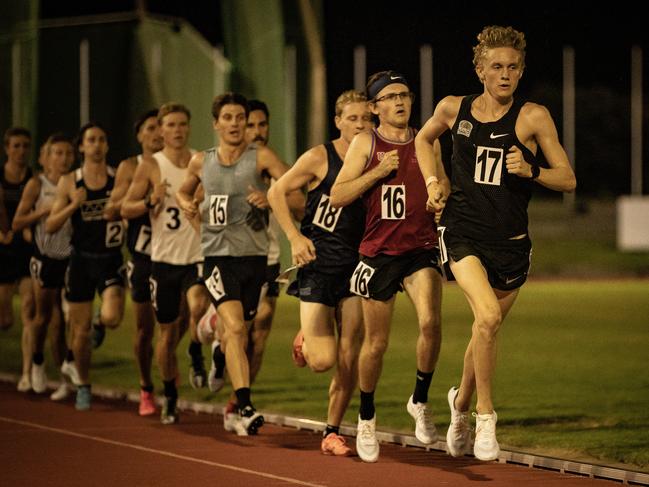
column 395, row 77
column 509, row 281
column 492, row 136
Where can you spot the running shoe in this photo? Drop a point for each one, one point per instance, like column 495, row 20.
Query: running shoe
column 424, row 425
column 458, row 436
column 335, row 445
column 367, row 446
column 486, row 446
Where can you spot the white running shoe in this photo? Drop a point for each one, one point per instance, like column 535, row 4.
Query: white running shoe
column 486, row 446
column 62, row 392
column 367, row 446
column 458, row 436
column 39, row 378
column 24, row 384
column 424, row 425
column 251, row 420
column 232, row 423
column 69, row 369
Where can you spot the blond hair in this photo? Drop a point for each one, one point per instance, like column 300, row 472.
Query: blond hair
column 494, row 36
column 346, row 97
column 173, row 107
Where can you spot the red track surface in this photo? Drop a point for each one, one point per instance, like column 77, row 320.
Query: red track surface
column 48, row 444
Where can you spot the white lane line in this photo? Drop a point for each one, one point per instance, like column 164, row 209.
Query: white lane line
column 158, row 452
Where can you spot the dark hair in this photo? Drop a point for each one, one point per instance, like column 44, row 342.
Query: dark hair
column 57, row 137
column 16, row 131
column 82, row 131
column 143, row 118
column 228, row 98
column 258, row 105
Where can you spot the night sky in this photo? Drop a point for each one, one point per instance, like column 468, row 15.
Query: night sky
column 392, row 34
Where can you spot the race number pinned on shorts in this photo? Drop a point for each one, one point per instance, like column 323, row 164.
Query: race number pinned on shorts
column 143, row 243
column 114, row 234
column 218, row 210
column 359, row 282
column 214, row 284
column 35, row 269
column 153, row 289
column 393, row 201
column 443, row 254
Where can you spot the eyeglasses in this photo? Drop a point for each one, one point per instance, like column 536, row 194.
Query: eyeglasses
column 393, row 96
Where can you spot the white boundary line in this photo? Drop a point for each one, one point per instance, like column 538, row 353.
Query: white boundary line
column 518, row 458
column 157, row 452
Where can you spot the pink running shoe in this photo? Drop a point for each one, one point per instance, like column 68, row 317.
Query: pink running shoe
column 335, row 445
column 147, row 403
column 298, row 356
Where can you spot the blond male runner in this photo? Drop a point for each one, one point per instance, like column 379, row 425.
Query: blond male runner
column 398, row 251
column 49, row 262
column 485, row 239
column 326, row 248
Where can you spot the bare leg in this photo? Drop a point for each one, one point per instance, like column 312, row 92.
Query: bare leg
column 80, row 318
column 377, row 316
column 489, row 309
column 350, row 338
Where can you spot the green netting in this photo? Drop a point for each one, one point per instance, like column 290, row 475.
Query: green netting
column 134, row 65
column 254, row 40
column 18, row 48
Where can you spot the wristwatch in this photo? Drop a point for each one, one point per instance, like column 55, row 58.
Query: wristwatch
column 536, row 170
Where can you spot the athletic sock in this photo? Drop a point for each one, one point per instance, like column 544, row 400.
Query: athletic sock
column 170, row 388
column 69, row 356
column 148, row 389
column 243, row 397
column 367, row 405
column 331, row 429
column 218, row 356
column 38, row 358
column 195, row 349
column 421, row 386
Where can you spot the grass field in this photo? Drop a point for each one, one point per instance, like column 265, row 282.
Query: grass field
column 571, row 382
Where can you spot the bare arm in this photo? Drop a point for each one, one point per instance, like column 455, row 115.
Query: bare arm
column 429, row 155
column 5, row 226
column 68, row 198
column 138, row 201
column 123, row 179
column 537, row 126
column 26, row 214
column 303, row 172
column 187, row 197
column 268, row 161
column 352, row 182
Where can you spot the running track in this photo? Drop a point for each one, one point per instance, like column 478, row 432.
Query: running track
column 49, row 444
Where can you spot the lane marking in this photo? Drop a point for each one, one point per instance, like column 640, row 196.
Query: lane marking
column 158, row 452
